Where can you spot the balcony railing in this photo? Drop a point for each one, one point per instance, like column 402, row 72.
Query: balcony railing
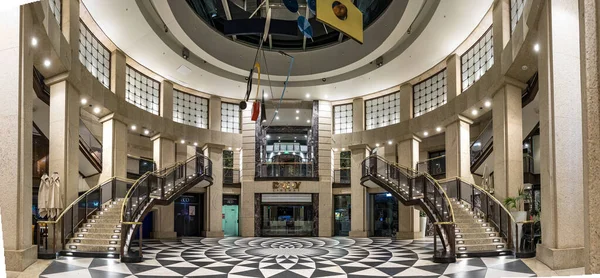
column 292, row 170
column 341, row 176
column 90, row 143
column 482, row 145
column 231, row 176
column 436, row 166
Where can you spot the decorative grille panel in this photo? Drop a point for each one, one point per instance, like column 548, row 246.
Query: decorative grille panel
column 429, row 94
column 142, row 91
column 230, row 117
column 342, row 115
column 516, row 11
column 94, row 56
column 382, row 111
column 56, row 9
column 190, row 109
column 477, row 60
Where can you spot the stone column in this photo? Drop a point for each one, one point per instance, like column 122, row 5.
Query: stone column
column 406, row 102
column 247, row 174
column 166, row 100
column 359, row 193
column 408, row 217
column 458, row 153
column 453, row 77
column 114, row 148
column 214, row 111
column 118, row 75
column 500, row 28
column 16, row 116
column 358, row 115
column 64, row 137
column 589, row 20
column 508, row 141
column 561, row 136
column 164, row 156
column 215, row 191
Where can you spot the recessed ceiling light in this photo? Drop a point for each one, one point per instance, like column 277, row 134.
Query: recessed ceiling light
column 343, row 149
column 229, row 148
column 389, row 142
column 268, row 136
column 326, row 96
column 182, row 141
column 146, row 131
column 305, row 136
column 426, row 133
column 297, row 118
column 34, row 41
column 536, row 47
column 487, row 103
column 83, row 101
column 265, row 95
column 195, row 144
column 47, row 63
column 335, row 149
column 277, row 118
column 279, row 141
column 278, row 137
column 297, row 111
column 438, row 129
column 377, row 145
column 524, row 67
column 97, row 110
column 308, row 121
column 276, row 112
column 133, row 127
column 474, row 112
column 294, row 137
column 307, row 95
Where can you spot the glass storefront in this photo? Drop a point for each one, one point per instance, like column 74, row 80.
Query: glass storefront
column 341, row 215
column 287, row 220
column 384, row 222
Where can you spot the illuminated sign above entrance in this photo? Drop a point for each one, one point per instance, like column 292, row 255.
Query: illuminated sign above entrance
column 286, row 186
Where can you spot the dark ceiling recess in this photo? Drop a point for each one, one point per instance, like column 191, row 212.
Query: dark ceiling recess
column 284, row 29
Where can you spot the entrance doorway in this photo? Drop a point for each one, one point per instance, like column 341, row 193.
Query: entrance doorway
column 341, row 215
column 188, row 215
column 384, row 221
column 231, row 215
column 288, row 214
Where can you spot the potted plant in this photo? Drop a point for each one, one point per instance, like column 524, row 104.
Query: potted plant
column 515, row 205
column 423, row 218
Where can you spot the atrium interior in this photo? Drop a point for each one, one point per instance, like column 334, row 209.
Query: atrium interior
column 299, row 138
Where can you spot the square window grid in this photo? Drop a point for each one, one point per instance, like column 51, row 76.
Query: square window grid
column 477, row 60
column 516, row 11
column 342, row 118
column 382, row 111
column 142, row 91
column 56, row 9
column 190, row 109
column 94, row 56
column 430, row 94
column 230, row 117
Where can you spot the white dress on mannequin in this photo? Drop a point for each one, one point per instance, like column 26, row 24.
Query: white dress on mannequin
column 43, row 192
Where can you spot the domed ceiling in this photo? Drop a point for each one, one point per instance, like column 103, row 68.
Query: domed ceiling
column 409, row 36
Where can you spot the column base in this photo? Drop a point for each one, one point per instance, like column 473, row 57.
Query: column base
column 216, row 234
column 164, row 235
column 358, row 234
column 408, row 235
column 560, row 258
column 19, row 260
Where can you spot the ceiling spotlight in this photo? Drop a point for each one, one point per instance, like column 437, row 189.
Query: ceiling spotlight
column 326, row 96
column 536, row 47
column 83, row 101
column 526, row 145
column 487, row 103
column 294, row 137
column 297, row 111
column 279, row 141
column 343, row 149
column 268, row 136
column 425, row 133
column 276, row 111
column 277, row 118
column 438, row 129
column 265, row 95
column 34, row 41
column 133, row 127
column 474, row 112
column 146, row 132
column 196, row 144
column 305, row 136
column 389, row 142
column 47, row 63
column 97, row 110
column 297, row 118
column 377, row 145
column 185, row 53
column 229, row 148
column 307, row 95
column 308, row 121
column 182, row 141
column 278, row 137
column 335, row 149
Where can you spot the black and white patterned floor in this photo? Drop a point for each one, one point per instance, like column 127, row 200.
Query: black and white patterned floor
column 289, row 258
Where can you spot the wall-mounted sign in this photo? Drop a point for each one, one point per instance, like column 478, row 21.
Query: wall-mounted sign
column 286, row 186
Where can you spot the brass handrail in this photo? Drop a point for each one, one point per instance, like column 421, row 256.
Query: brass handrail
column 59, row 217
column 395, row 164
column 431, row 158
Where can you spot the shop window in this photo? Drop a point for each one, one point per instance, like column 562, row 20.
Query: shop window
column 230, row 117
column 382, row 111
column 142, row 91
column 94, row 56
column 190, row 109
column 477, row 60
column 342, row 115
column 429, row 94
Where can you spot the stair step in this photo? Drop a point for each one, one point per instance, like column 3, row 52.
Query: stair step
column 104, row 220
column 468, row 220
column 104, row 225
column 472, row 225
column 480, row 247
column 95, row 241
column 474, row 230
column 100, row 230
column 476, row 235
column 97, row 235
column 94, row 247
column 474, row 241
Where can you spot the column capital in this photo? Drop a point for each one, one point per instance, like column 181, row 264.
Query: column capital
column 63, row 76
column 508, row 81
column 161, row 136
column 113, row 116
column 213, row 146
column 359, row 147
column 411, row 137
column 459, row 118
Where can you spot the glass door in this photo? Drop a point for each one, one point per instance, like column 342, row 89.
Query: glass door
column 287, row 220
column 187, row 215
column 385, row 215
column 342, row 215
